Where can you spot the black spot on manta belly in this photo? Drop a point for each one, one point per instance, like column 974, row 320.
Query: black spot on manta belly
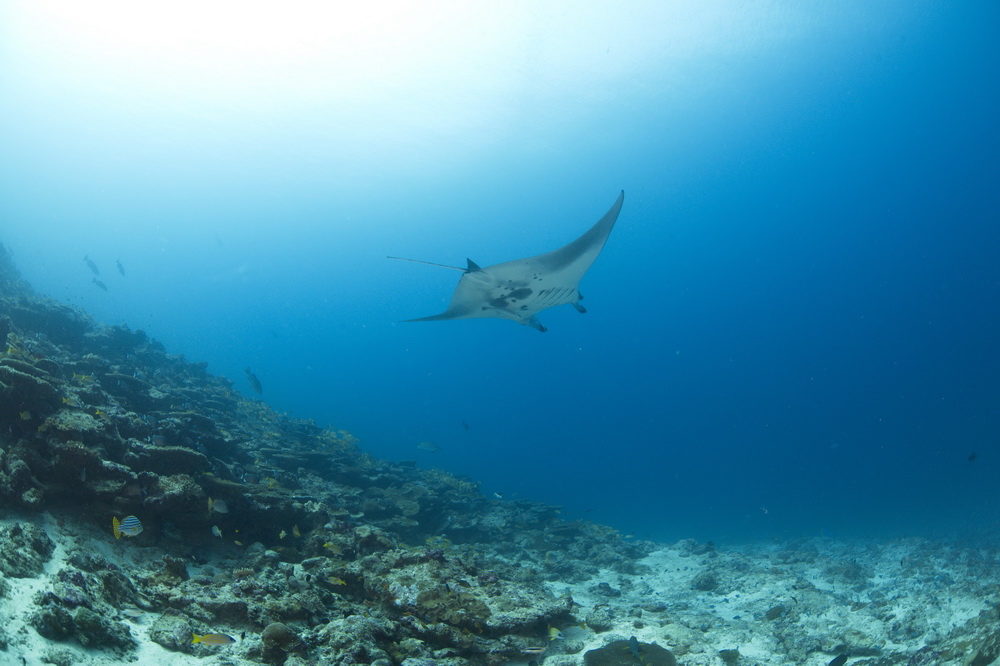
column 520, row 294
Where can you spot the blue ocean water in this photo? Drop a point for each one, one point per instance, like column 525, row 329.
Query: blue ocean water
column 793, row 329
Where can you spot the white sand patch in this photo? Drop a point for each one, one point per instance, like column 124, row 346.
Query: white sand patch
column 815, row 599
column 27, row 647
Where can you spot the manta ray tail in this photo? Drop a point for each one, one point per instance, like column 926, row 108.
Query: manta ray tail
column 431, row 263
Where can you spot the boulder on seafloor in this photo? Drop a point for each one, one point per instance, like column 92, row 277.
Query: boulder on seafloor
column 620, row 653
column 173, row 630
column 57, row 621
column 277, row 641
column 24, row 548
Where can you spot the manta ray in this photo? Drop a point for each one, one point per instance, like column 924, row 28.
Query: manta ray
column 520, row 289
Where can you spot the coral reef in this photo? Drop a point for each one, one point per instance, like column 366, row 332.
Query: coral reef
column 311, row 551
column 324, row 554
column 624, row 653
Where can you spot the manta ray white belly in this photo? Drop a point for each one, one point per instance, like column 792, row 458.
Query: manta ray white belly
column 519, row 289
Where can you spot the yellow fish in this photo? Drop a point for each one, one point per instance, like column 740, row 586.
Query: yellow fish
column 333, row 548
column 26, row 415
column 333, row 580
column 282, row 534
column 72, row 402
column 295, row 531
column 212, row 639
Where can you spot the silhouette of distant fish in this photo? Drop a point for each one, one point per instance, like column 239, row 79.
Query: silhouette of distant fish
column 973, row 456
column 428, row 446
column 254, row 382
column 121, row 269
column 91, row 265
column 100, row 284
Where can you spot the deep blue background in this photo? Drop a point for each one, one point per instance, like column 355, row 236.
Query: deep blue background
column 793, row 329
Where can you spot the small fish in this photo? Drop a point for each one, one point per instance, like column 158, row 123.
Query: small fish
column 25, row 415
column 839, row 660
column 212, row 639
column 98, row 412
column 555, row 634
column 296, row 532
column 129, row 526
column 533, row 650
column 498, row 495
column 83, row 475
column 254, row 382
column 333, row 580
column 333, row 548
column 633, row 647
column 216, row 531
column 219, row 506
column 100, row 284
column 133, row 613
column 72, row 402
column 91, row 265
column 282, row 534
column 973, row 456
column 121, row 269
column 428, row 446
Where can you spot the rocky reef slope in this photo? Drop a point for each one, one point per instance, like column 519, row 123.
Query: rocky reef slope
column 321, row 555
column 285, row 544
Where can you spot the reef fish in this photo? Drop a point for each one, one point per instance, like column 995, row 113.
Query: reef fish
column 121, row 269
column 91, row 265
column 212, row 639
column 254, row 382
column 100, row 284
column 428, row 446
column 839, row 660
column 633, row 647
column 555, row 634
column 517, row 290
column 219, row 506
column 129, row 526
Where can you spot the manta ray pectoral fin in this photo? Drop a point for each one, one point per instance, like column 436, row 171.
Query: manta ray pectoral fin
column 579, row 308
